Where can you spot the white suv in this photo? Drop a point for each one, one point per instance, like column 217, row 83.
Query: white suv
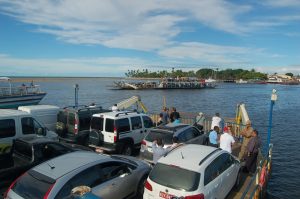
column 120, row 131
column 193, row 172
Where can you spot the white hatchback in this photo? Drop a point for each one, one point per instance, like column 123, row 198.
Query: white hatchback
column 193, row 172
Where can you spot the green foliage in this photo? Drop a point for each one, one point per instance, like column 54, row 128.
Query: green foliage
column 290, row 74
column 204, row 73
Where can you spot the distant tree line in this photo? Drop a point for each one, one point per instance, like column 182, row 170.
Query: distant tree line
column 227, row 74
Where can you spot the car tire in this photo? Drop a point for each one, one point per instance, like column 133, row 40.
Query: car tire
column 238, row 180
column 140, row 189
column 127, row 149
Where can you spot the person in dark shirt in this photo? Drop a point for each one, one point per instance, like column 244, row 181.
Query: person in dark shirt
column 252, row 152
column 173, row 113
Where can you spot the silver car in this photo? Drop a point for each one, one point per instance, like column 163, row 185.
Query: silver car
column 108, row 177
column 185, row 133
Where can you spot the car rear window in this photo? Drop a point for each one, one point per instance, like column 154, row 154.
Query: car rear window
column 97, row 123
column 62, row 117
column 33, row 185
column 109, row 125
column 183, row 180
column 153, row 135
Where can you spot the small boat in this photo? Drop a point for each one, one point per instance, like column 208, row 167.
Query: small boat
column 241, row 81
column 13, row 97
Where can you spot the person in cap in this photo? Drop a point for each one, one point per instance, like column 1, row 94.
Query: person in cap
column 246, row 133
column 226, row 140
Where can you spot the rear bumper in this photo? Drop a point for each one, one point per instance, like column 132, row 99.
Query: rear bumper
column 108, row 147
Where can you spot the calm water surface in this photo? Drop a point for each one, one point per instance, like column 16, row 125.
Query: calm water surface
column 286, row 115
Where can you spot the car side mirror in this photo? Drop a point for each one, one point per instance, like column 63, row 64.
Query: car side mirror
column 41, row 131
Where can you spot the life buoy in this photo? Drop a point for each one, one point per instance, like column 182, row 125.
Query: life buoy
column 263, row 175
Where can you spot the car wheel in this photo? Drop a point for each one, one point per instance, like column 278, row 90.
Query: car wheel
column 238, row 180
column 127, row 150
column 140, row 190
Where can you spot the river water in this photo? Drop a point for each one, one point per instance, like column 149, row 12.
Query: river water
column 284, row 182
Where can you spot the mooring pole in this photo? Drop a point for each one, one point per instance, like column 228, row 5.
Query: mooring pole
column 273, row 99
column 76, row 95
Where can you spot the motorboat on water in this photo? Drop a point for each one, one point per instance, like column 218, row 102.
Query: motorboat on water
column 13, row 97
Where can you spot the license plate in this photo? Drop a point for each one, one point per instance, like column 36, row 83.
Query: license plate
column 165, row 195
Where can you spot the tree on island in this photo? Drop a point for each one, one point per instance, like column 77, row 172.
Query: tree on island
column 204, row 73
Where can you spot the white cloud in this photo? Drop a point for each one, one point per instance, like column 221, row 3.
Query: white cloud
column 209, row 53
column 132, row 24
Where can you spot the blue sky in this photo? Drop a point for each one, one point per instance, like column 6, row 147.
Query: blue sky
column 108, row 37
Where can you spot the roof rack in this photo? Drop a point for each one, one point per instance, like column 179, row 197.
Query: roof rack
column 203, row 160
column 84, row 107
column 125, row 113
column 173, row 148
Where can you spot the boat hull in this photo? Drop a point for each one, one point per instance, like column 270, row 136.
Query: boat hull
column 16, row 101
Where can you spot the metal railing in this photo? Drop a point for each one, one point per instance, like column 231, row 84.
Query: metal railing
column 190, row 118
column 257, row 186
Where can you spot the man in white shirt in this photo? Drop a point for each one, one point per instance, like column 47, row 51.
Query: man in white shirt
column 226, row 140
column 216, row 121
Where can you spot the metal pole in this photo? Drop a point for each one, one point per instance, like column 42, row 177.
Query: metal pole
column 76, row 95
column 273, row 99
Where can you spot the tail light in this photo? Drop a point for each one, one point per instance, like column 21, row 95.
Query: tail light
column 148, row 185
column 115, row 134
column 199, row 196
column 11, row 186
column 47, row 193
column 143, row 142
column 76, row 126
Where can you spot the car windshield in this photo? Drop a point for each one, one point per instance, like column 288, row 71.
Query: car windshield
column 33, row 185
column 182, row 180
column 166, row 137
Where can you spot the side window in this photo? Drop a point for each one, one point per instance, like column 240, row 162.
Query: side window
column 113, row 169
column 196, row 132
column 136, row 122
column 186, row 135
column 28, row 125
column 109, row 125
column 7, row 128
column 89, row 177
column 122, row 125
column 214, row 169
column 147, row 122
column 52, row 150
column 226, row 160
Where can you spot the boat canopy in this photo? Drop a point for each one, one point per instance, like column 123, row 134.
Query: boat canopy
column 4, row 79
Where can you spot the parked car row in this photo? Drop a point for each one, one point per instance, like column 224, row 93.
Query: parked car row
column 190, row 171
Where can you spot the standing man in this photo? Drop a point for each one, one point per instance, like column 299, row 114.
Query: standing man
column 247, row 134
column 252, row 152
column 226, row 140
column 216, row 121
column 173, row 113
column 213, row 137
column 165, row 115
column 200, row 119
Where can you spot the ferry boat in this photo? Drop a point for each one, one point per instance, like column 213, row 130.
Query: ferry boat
column 167, row 83
column 13, row 97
